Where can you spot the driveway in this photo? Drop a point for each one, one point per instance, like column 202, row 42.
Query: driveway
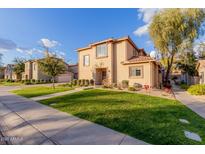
column 24, row 121
column 195, row 103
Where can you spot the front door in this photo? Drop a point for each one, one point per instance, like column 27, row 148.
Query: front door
column 103, row 74
column 100, row 75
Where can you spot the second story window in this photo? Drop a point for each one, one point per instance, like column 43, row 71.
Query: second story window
column 86, row 60
column 101, row 51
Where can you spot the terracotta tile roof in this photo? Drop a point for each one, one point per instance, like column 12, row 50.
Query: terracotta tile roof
column 140, row 58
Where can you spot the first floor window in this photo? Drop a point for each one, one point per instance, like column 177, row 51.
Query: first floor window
column 135, row 71
column 86, row 60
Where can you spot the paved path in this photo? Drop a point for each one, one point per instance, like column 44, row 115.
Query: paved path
column 24, row 121
column 38, row 98
column 196, row 104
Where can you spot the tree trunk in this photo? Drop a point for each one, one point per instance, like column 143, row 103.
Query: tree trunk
column 53, row 82
column 169, row 66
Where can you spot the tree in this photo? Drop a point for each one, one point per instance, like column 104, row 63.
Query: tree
column 52, row 66
column 19, row 67
column 187, row 64
column 171, row 28
column 200, row 47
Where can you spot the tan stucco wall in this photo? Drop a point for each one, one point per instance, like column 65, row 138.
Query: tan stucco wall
column 88, row 72
column 143, row 80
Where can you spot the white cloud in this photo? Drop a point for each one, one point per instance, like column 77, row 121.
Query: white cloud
column 48, row 43
column 29, row 51
column 146, row 16
column 141, row 30
column 62, row 53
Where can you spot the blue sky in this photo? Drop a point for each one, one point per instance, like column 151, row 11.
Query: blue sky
column 23, row 30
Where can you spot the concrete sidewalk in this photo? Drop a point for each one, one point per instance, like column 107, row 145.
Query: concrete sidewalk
column 196, row 104
column 24, row 121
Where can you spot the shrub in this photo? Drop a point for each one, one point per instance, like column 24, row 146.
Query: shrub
column 131, row 89
column 79, row 82
column 8, row 80
column 184, row 86
column 22, row 81
column 27, row 82
column 92, row 82
column 38, row 81
column 119, row 86
column 70, row 84
column 74, row 82
column 137, row 86
column 2, row 80
column 114, row 85
column 125, row 83
column 82, row 82
column 197, row 89
column 106, row 83
column 86, row 83
column 33, row 80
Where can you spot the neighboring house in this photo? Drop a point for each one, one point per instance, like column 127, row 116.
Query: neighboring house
column 9, row 73
column 74, row 69
column 33, row 71
column 118, row 60
column 2, row 71
column 201, row 70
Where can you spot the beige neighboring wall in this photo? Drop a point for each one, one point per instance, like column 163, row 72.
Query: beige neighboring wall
column 118, row 64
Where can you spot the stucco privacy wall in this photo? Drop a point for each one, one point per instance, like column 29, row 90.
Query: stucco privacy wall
column 201, row 69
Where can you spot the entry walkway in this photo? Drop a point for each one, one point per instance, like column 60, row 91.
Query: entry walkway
column 24, row 121
column 38, row 98
column 196, row 104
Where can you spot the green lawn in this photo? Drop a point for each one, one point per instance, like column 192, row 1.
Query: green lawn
column 152, row 119
column 39, row 91
column 10, row 83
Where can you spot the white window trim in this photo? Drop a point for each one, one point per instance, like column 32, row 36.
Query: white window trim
column 106, row 51
column 141, row 68
column 84, row 64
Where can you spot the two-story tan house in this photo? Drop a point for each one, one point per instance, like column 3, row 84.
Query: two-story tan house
column 9, row 73
column 33, row 71
column 201, row 70
column 118, row 60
